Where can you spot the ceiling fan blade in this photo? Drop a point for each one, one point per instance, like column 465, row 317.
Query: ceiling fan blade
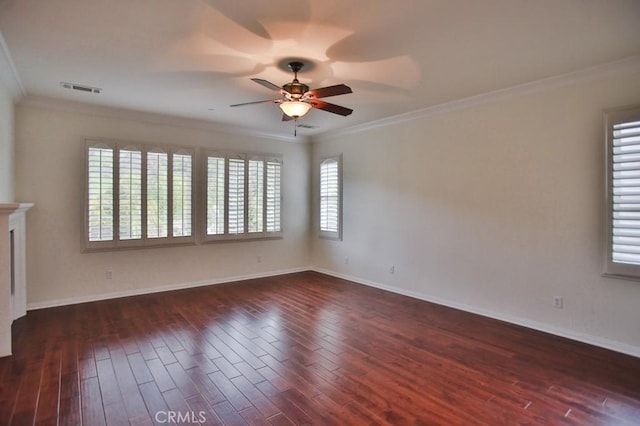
column 324, row 92
column 267, row 84
column 336, row 109
column 275, row 101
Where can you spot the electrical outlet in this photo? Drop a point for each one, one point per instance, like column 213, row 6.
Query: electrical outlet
column 259, row 259
column 557, row 302
column 346, row 260
column 108, row 274
column 392, row 270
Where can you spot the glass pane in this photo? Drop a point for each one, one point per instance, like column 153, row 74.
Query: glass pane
column 215, row 196
column 625, row 181
column 256, row 196
column 273, row 197
column 157, row 194
column 329, row 196
column 182, row 178
column 130, row 195
column 236, row 196
column 100, row 194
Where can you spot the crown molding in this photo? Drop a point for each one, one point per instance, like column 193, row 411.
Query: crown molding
column 150, row 117
column 624, row 66
column 8, row 74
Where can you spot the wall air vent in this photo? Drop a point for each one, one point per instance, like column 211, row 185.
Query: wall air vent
column 80, row 87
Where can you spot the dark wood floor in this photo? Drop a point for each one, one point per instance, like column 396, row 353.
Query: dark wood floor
column 302, row 349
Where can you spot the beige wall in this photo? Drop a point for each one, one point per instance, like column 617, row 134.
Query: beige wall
column 50, row 173
column 494, row 208
column 6, row 146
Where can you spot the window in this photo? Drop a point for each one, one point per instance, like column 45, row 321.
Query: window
column 622, row 248
column 331, row 197
column 138, row 195
column 243, row 196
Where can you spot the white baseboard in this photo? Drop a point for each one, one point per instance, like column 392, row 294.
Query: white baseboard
column 547, row 328
column 140, row 291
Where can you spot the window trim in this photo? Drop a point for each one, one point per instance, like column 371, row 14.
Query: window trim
column 609, row 267
column 144, row 242
column 331, row 235
column 245, row 235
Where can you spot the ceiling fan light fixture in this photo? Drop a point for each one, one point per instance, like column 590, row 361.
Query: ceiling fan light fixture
column 295, row 109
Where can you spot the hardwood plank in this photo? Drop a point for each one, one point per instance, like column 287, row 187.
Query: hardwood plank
column 229, row 415
column 114, row 409
column 231, row 393
column 205, row 385
column 133, row 402
column 27, row 398
column 166, row 356
column 49, row 393
column 203, row 410
column 253, row 394
column 139, row 368
column 176, row 401
column 160, row 375
column 153, row 399
column 93, row 412
column 182, row 380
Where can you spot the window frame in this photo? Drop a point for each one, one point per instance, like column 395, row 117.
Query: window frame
column 609, row 267
column 331, row 235
column 245, row 235
column 116, row 243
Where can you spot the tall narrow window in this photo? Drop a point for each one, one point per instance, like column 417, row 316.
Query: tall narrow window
column 256, row 196
column 330, row 198
column 130, row 194
column 100, row 194
column 622, row 251
column 273, row 196
column 243, row 196
column 157, row 194
column 182, row 196
column 215, row 195
column 236, row 196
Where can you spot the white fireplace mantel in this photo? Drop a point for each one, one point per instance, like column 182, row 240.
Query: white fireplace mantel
column 13, row 239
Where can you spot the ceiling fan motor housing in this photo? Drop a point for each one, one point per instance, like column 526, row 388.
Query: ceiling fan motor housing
column 296, row 89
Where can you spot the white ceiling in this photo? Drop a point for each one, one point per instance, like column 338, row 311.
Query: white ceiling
column 193, row 58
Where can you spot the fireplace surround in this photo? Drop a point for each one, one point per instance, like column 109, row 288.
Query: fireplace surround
column 13, row 275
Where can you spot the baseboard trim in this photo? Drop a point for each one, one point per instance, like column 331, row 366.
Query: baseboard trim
column 535, row 325
column 141, row 291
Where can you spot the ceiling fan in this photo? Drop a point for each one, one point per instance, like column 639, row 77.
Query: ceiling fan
column 297, row 99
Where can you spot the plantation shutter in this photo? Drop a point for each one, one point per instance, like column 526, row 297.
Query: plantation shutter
column 182, row 181
column 100, row 193
column 215, row 195
column 626, row 192
column 236, row 196
column 130, row 194
column 329, row 195
column 273, row 197
column 256, row 196
column 157, row 194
